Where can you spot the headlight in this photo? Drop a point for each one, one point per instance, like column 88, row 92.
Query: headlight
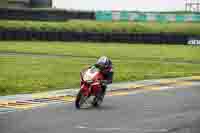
column 87, row 77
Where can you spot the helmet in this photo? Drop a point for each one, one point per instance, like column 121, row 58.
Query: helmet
column 104, row 61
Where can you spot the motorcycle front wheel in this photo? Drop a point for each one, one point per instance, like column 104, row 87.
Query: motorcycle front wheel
column 80, row 100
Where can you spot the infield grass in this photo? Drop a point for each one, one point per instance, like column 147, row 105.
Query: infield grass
column 27, row 67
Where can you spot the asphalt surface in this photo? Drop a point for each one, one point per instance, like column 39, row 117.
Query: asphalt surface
column 173, row 110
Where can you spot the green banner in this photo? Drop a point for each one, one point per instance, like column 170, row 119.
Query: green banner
column 124, row 16
column 104, row 15
column 196, row 18
column 141, row 17
column 161, row 18
column 144, row 17
column 180, row 18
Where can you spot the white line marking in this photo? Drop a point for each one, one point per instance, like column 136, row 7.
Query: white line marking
column 124, row 129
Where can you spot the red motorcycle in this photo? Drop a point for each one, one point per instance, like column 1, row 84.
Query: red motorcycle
column 90, row 87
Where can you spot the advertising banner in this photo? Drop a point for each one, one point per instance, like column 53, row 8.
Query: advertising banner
column 144, row 17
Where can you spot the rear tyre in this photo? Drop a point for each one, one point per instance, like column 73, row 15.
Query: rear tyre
column 80, row 100
column 98, row 99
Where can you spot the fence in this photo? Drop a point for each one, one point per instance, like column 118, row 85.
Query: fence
column 144, row 17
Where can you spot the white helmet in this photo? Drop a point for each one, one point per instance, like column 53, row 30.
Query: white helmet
column 104, row 61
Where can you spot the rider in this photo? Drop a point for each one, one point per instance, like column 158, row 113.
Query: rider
column 105, row 66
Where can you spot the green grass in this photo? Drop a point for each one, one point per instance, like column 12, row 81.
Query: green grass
column 97, row 26
column 22, row 73
column 113, row 50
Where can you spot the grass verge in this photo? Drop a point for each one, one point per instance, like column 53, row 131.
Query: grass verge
column 42, row 66
column 99, row 26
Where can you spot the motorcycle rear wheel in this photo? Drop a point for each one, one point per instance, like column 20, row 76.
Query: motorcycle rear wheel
column 98, row 100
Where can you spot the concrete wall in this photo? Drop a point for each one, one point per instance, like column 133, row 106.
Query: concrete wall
column 43, row 14
column 41, row 3
column 157, row 38
column 18, row 5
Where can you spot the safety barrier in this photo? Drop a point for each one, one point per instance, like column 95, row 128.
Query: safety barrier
column 146, row 17
column 62, row 15
column 156, row 38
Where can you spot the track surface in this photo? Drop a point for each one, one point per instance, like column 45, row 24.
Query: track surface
column 175, row 110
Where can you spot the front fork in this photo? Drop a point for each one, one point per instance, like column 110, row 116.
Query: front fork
column 86, row 90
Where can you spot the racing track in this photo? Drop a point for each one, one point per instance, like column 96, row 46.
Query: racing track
column 172, row 110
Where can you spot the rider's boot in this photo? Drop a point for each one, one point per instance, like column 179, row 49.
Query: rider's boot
column 103, row 93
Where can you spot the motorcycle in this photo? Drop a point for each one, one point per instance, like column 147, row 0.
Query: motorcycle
column 90, row 87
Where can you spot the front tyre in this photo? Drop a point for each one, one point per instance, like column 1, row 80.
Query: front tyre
column 80, row 100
